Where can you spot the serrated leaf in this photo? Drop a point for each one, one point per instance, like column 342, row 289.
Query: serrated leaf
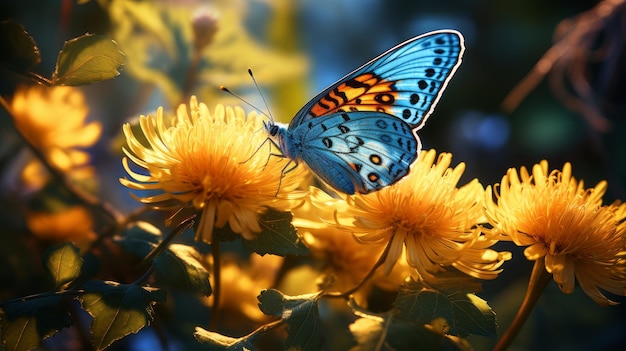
column 304, row 331
column 88, row 59
column 277, row 236
column 222, row 342
column 118, row 309
column 26, row 323
column 465, row 313
column 63, row 263
column 18, row 50
column 179, row 267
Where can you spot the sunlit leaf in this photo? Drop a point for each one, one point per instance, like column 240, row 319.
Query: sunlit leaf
column 373, row 334
column 277, row 236
column 25, row 323
column 179, row 266
column 63, row 263
column 140, row 238
column 118, row 309
column 304, row 330
column 465, row 313
column 18, row 50
column 88, row 59
column 222, row 342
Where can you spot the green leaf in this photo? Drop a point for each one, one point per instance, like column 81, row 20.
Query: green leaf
column 18, row 50
column 277, row 236
column 224, row 234
column 118, row 309
column 88, row 59
column 223, row 342
column 465, row 313
column 179, row 267
column 374, row 333
column 271, row 302
column 26, row 323
column 304, row 330
column 140, row 238
column 63, row 263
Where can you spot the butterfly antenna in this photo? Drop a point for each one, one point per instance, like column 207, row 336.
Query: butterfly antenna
column 261, row 93
column 225, row 89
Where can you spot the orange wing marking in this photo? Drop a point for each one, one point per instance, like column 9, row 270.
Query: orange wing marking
column 367, row 92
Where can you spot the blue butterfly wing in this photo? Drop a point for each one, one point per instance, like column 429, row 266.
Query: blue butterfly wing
column 406, row 81
column 358, row 151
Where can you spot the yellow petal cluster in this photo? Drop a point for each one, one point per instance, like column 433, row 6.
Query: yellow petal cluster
column 426, row 218
column 346, row 260
column 217, row 163
column 53, row 120
column 555, row 217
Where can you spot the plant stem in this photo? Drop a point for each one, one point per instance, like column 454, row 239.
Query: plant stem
column 217, row 276
column 346, row 294
column 192, row 73
column 539, row 279
column 186, row 223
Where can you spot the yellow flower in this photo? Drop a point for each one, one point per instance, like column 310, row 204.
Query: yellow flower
column 70, row 224
column 425, row 215
column 346, row 260
column 52, row 119
column 240, row 284
column 215, row 163
column 559, row 220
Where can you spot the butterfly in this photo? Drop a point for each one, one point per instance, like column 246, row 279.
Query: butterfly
column 359, row 134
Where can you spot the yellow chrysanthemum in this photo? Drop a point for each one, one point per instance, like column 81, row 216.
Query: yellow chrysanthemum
column 213, row 163
column 53, row 120
column 427, row 216
column 559, row 220
column 240, row 283
column 346, row 260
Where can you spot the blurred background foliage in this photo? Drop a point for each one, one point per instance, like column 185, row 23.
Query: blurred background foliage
column 295, row 49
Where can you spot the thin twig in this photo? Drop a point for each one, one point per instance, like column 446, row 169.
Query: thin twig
column 217, row 277
column 182, row 226
column 370, row 274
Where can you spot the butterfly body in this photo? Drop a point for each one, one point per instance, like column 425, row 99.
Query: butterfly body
column 359, row 134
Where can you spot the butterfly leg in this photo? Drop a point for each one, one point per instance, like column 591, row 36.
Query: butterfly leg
column 257, row 150
column 284, row 171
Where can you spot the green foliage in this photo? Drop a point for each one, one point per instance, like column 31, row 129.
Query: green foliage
column 118, row 309
column 277, row 237
column 466, row 313
column 25, row 322
column 19, row 51
column 88, row 59
column 83, row 60
column 222, row 342
column 374, row 333
column 63, row 263
column 300, row 313
column 179, row 266
column 140, row 239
